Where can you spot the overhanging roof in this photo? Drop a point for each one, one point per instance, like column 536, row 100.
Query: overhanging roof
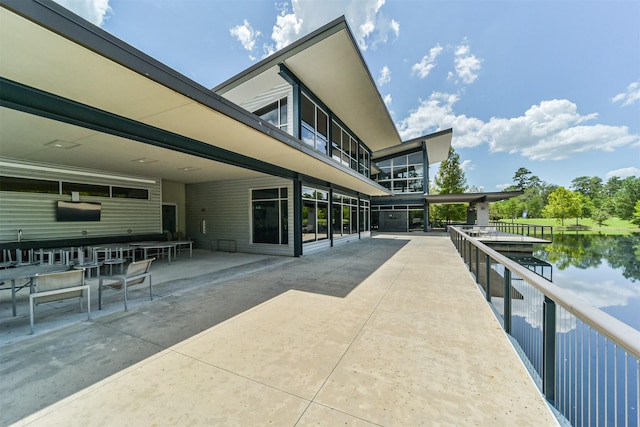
column 330, row 64
column 437, row 145
column 47, row 50
column 471, row 197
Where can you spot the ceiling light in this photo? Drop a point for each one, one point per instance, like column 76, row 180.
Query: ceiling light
column 189, row 169
column 58, row 143
column 144, row 160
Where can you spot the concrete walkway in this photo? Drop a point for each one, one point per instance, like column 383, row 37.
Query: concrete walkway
column 387, row 331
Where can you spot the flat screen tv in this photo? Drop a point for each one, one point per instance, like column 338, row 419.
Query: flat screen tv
column 78, row 211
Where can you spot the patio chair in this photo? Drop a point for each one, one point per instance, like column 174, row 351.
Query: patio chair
column 52, row 287
column 136, row 273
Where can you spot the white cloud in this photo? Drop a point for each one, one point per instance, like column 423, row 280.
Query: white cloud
column 385, row 76
column 624, row 172
column 387, row 99
column 94, row 11
column 245, row 34
column 467, row 165
column 467, row 65
column 427, row 63
column 630, row 96
column 552, row 130
column 368, row 24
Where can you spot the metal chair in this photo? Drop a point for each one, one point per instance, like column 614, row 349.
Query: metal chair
column 52, row 287
column 137, row 272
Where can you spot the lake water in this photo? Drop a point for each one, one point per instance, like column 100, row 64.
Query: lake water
column 602, row 270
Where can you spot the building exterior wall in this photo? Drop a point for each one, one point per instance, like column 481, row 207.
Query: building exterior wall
column 35, row 213
column 226, row 209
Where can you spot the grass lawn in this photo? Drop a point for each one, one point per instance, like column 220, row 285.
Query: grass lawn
column 586, row 225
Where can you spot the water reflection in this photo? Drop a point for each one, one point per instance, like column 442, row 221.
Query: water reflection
column 602, row 270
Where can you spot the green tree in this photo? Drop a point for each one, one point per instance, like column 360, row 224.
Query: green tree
column 636, row 214
column 625, row 198
column 590, row 187
column 524, row 179
column 450, row 179
column 562, row 204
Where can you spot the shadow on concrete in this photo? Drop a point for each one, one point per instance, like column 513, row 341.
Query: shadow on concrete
column 40, row 370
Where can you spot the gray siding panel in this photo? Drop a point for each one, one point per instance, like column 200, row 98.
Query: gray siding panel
column 226, row 209
column 35, row 214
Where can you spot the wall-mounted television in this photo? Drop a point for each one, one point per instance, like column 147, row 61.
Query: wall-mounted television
column 78, row 211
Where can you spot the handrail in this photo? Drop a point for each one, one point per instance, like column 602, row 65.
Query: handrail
column 613, row 329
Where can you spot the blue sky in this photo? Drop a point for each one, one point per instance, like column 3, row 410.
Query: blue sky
column 552, row 86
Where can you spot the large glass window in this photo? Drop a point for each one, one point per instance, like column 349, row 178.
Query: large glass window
column 363, row 161
column 315, row 214
column 270, row 216
column 345, row 215
column 315, row 125
column 402, row 174
column 275, row 113
column 364, row 215
column 346, row 150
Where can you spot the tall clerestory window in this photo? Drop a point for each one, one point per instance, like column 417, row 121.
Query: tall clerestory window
column 275, row 113
column 315, row 125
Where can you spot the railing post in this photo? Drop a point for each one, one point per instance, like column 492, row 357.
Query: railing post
column 549, row 349
column 477, row 265
column 488, row 277
column 507, row 300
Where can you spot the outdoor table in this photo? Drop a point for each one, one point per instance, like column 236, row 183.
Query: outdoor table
column 158, row 246
column 179, row 243
column 27, row 272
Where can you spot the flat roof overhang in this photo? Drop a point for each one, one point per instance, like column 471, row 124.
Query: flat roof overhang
column 50, row 52
column 330, row 64
column 437, row 145
column 444, row 199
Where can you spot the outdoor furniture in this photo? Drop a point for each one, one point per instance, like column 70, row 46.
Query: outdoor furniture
column 178, row 247
column 88, row 262
column 57, row 287
column 160, row 248
column 27, row 273
column 137, row 272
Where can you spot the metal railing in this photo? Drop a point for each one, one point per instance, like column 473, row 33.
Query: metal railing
column 586, row 363
column 540, row 231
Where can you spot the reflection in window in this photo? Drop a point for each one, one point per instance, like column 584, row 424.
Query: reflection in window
column 402, row 174
column 28, row 185
column 364, row 215
column 270, row 216
column 345, row 215
column 275, row 113
column 315, row 125
column 85, row 189
column 315, row 214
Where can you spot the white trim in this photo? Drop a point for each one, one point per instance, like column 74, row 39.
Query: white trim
column 73, row 172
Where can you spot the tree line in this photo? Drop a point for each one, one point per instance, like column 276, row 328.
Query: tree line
column 587, row 197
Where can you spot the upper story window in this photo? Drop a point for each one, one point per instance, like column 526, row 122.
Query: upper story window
column 275, row 113
column 364, row 161
column 346, row 150
column 344, row 147
column 402, row 174
column 315, row 125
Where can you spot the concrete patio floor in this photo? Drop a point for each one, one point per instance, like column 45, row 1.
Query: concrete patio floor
column 386, row 331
